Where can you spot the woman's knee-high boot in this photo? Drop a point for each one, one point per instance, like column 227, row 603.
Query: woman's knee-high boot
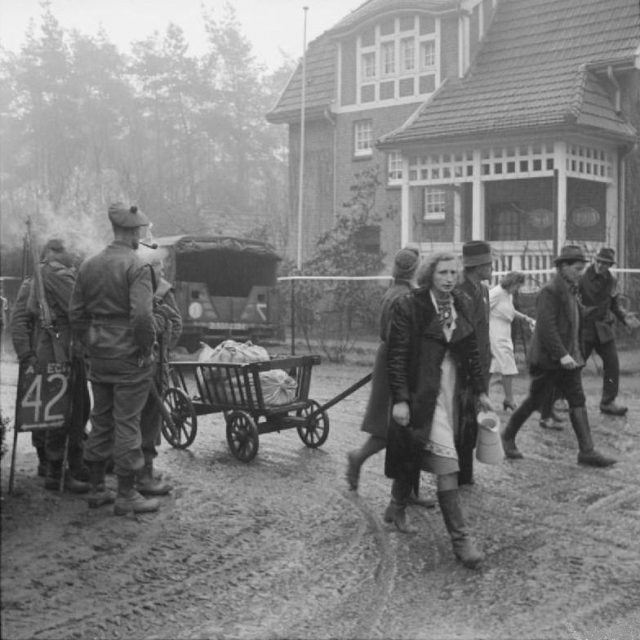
column 587, row 455
column 463, row 546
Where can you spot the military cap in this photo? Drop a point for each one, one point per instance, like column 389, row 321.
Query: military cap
column 127, row 217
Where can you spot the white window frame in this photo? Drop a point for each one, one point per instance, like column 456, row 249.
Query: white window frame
column 407, row 46
column 435, row 204
column 388, row 59
column 423, row 66
column 368, row 65
column 363, row 138
column 397, row 56
column 394, row 167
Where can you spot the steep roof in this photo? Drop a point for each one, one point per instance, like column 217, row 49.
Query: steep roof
column 321, row 58
column 376, row 8
column 533, row 71
column 320, row 85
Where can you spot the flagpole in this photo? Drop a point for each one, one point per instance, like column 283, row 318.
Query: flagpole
column 302, row 140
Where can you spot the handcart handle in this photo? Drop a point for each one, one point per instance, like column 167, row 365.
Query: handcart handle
column 341, row 396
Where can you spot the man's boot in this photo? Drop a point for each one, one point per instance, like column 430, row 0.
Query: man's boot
column 42, row 462
column 508, row 436
column 148, row 485
column 463, row 546
column 54, row 473
column 129, row 500
column 99, row 495
column 77, row 466
column 587, row 455
column 613, row 409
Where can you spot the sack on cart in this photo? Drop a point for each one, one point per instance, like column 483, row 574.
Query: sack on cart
column 278, row 387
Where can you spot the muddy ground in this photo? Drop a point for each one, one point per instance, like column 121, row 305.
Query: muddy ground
column 278, row 548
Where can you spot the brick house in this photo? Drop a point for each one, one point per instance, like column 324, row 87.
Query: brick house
column 513, row 121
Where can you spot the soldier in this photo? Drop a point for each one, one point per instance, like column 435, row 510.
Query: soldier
column 58, row 277
column 478, row 267
column 168, row 324
column 36, row 344
column 112, row 313
column 24, row 326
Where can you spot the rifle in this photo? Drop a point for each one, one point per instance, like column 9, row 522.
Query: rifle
column 46, row 319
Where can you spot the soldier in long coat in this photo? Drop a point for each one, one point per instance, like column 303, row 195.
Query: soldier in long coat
column 112, row 314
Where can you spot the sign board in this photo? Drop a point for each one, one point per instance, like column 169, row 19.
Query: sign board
column 44, row 396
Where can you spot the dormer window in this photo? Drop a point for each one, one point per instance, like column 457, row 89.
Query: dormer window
column 398, row 59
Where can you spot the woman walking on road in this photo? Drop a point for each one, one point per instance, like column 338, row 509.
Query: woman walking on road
column 433, row 365
column 376, row 418
column 501, row 317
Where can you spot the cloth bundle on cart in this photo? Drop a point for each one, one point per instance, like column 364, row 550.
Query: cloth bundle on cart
column 278, row 387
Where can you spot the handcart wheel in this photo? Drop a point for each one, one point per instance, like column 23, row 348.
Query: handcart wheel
column 180, row 430
column 315, row 431
column 242, row 435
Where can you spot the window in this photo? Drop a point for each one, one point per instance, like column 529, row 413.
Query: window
column 394, row 167
column 427, row 55
column 407, row 58
column 368, row 65
column 398, row 58
column 388, row 58
column 435, row 204
column 363, row 138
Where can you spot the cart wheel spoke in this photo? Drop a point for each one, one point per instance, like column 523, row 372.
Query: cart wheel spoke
column 179, row 420
column 315, row 431
column 242, row 435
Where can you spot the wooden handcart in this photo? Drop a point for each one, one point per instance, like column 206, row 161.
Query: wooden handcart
column 196, row 388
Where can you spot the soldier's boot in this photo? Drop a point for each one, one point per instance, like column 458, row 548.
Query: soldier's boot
column 42, row 462
column 463, row 545
column 77, row 466
column 149, row 485
column 588, row 454
column 129, row 500
column 54, row 473
column 99, row 494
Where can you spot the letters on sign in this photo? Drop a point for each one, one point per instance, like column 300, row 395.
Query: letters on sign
column 44, row 400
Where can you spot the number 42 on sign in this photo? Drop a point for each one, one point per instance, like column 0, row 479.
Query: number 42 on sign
column 43, row 397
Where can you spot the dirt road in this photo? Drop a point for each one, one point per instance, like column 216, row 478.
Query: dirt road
column 278, row 548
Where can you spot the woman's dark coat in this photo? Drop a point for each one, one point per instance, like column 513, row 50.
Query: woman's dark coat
column 416, row 347
column 376, row 417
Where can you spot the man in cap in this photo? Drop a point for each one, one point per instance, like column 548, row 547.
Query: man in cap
column 112, row 314
column 477, row 262
column 600, row 300
column 556, row 359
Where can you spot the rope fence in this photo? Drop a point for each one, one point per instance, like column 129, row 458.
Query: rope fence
column 319, row 312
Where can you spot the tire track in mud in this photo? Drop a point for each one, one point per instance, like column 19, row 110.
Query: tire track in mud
column 206, row 553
